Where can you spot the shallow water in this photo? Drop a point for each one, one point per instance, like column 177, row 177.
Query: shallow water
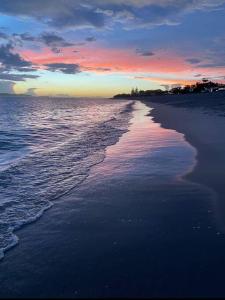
column 163, row 153
column 47, row 147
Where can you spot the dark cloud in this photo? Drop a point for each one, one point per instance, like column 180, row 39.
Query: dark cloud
column 90, row 39
column 60, row 13
column 56, row 50
column 150, row 13
column 147, row 53
column 25, row 37
column 193, row 61
column 215, row 58
column 16, row 77
column 27, row 69
column 63, row 68
column 144, row 53
column 10, row 60
column 7, row 87
column 98, row 13
column 52, row 40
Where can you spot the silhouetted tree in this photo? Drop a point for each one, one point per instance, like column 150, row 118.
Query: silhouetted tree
column 198, row 87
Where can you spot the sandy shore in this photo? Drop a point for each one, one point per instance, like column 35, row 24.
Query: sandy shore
column 135, row 228
column 204, row 130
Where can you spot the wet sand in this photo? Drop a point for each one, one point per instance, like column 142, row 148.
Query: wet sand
column 135, row 228
column 204, row 130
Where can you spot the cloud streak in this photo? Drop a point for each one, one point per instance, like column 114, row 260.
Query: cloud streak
column 98, row 13
column 10, row 60
column 54, row 41
column 144, row 52
column 16, row 77
column 193, row 61
column 63, row 68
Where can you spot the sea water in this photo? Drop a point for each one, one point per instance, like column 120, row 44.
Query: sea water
column 47, row 147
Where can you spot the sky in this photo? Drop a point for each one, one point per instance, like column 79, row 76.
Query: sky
column 98, row 48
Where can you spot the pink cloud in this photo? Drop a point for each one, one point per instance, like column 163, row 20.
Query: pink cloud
column 115, row 59
column 100, row 60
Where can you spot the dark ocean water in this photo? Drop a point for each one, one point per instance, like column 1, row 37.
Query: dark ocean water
column 135, row 227
column 47, row 147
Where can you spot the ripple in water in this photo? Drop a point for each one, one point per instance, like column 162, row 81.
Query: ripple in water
column 47, row 147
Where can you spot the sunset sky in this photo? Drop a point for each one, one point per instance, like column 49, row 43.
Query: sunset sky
column 104, row 47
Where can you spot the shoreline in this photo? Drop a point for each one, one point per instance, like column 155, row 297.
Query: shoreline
column 209, row 102
column 204, row 131
column 134, row 228
column 118, row 130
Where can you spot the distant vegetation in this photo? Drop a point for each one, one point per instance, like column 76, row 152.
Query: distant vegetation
column 205, row 86
column 14, row 95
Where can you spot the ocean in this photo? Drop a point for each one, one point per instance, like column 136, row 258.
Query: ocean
column 124, row 219
column 47, row 147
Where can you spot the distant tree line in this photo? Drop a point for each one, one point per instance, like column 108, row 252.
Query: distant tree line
column 205, row 86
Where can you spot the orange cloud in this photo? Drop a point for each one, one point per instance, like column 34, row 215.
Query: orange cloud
column 100, row 60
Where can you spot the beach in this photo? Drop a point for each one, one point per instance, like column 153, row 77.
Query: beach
column 144, row 223
column 112, row 149
column 203, row 127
